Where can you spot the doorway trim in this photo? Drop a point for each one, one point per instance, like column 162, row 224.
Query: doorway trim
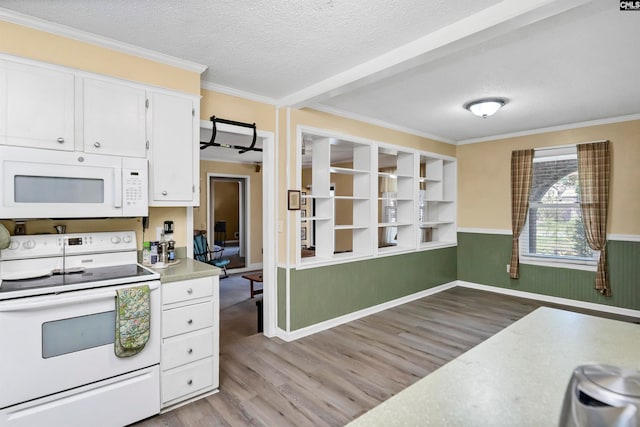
column 269, row 223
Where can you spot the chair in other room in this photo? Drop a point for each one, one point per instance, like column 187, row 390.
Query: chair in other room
column 202, row 253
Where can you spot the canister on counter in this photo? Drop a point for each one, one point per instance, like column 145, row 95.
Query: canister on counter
column 154, row 252
column 146, row 253
column 164, row 252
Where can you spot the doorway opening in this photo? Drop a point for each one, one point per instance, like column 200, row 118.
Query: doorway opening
column 250, row 181
column 228, row 199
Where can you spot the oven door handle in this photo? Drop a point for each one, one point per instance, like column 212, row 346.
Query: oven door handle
column 24, row 305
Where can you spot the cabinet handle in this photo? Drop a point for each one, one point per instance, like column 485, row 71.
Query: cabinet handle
column 164, row 193
column 190, row 382
column 189, row 291
column 60, row 140
column 96, row 144
column 190, row 321
column 190, row 351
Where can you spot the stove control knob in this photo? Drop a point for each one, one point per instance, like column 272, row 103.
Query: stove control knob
column 14, row 245
column 126, row 239
column 29, row 244
column 115, row 240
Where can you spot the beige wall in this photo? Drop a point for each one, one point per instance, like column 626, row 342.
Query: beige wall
column 41, row 46
column 255, row 200
column 234, row 108
column 34, row 44
column 319, row 119
column 226, row 206
column 484, row 195
column 157, row 217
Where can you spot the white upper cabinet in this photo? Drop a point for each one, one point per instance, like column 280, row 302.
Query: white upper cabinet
column 49, row 107
column 37, row 107
column 114, row 118
column 173, row 150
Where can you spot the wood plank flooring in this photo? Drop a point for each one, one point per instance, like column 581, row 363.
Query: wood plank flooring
column 332, row 377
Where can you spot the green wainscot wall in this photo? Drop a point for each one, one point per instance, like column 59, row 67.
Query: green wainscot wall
column 483, row 258
column 323, row 293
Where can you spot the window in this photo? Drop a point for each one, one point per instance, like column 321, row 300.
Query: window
column 554, row 231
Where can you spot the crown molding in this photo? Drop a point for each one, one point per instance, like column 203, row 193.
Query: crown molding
column 94, row 39
column 381, row 123
column 236, row 92
column 553, row 129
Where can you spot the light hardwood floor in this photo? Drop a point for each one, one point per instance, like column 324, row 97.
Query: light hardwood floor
column 332, row 377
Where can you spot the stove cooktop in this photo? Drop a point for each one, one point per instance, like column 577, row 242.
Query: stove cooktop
column 88, row 278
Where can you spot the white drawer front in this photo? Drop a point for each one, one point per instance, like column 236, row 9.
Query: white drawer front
column 186, row 319
column 107, row 402
column 187, row 379
column 188, row 348
column 186, row 290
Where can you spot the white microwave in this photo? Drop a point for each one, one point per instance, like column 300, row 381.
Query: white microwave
column 40, row 183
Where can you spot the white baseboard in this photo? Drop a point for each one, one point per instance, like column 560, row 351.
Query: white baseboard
column 328, row 324
column 555, row 300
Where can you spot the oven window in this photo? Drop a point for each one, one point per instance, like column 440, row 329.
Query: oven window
column 77, row 333
column 54, row 189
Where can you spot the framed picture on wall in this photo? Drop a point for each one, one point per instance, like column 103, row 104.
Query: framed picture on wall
column 303, row 200
column 293, row 202
column 303, row 233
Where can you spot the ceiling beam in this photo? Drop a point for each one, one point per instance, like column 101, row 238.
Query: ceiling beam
column 502, row 18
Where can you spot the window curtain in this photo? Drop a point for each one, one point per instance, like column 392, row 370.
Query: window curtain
column 521, row 173
column 593, row 175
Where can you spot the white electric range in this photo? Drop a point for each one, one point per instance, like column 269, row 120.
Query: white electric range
column 57, row 311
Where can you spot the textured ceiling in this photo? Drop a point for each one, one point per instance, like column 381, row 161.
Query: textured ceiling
column 409, row 65
column 569, row 68
column 265, row 47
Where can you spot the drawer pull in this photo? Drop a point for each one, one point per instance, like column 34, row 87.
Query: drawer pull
column 190, row 351
column 190, row 321
column 189, row 291
column 60, row 140
column 190, row 382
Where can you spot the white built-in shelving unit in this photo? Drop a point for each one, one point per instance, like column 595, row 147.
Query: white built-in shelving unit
column 437, row 201
column 396, row 200
column 366, row 198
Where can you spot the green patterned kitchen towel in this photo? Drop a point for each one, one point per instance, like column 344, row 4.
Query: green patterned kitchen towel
column 132, row 320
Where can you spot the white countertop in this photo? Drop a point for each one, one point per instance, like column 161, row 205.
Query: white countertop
column 517, row 377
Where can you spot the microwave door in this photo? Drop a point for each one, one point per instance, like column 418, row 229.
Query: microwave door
column 39, row 190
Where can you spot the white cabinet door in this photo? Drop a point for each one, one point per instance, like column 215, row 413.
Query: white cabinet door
column 173, row 162
column 39, row 107
column 114, row 118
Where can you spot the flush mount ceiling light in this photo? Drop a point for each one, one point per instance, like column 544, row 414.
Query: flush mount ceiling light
column 485, row 107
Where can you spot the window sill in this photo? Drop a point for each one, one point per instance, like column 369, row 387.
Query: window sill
column 575, row 265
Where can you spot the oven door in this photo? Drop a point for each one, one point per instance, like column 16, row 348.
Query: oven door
column 54, row 343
